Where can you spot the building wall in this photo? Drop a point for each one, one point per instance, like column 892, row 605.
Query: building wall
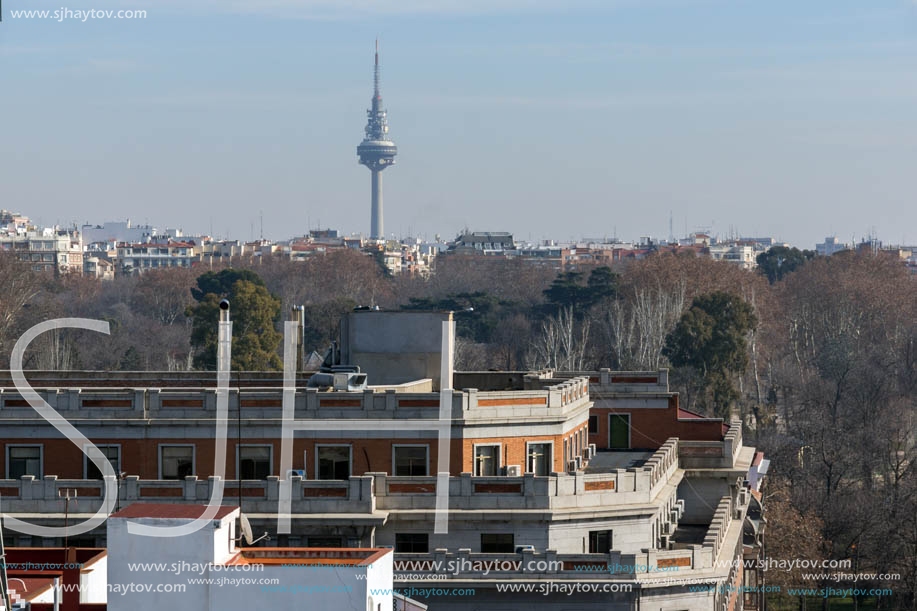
column 141, row 456
column 513, row 450
column 652, row 421
column 196, row 548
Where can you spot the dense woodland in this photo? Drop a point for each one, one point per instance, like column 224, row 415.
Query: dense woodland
column 818, row 356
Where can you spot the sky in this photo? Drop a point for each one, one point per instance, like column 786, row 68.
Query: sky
column 575, row 119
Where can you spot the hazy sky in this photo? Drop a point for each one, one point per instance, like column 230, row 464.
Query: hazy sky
column 792, row 118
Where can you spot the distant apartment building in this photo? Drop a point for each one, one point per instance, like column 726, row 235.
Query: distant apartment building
column 98, row 267
column 49, row 250
column 117, row 232
column 14, row 223
column 742, row 254
column 138, row 258
column 483, row 242
column 830, row 246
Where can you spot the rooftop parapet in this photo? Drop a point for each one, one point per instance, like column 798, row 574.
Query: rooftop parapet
column 258, row 402
column 713, row 454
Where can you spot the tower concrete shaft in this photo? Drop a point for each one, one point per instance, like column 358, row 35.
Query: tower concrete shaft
column 377, row 230
column 377, row 151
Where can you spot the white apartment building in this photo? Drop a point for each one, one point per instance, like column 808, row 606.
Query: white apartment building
column 138, row 258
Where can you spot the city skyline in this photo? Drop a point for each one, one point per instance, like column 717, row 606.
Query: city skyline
column 790, row 123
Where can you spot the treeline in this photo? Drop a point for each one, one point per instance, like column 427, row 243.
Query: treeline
column 818, row 356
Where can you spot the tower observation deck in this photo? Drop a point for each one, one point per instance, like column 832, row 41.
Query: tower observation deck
column 377, row 151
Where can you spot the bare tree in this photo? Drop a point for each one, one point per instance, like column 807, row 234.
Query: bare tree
column 562, row 344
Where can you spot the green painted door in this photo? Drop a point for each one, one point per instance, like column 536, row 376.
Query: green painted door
column 619, row 431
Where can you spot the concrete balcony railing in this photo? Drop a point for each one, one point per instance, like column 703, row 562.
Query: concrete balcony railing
column 551, row 400
column 606, row 380
column 719, row 525
column 367, row 493
column 463, row 564
column 413, row 400
column 713, row 454
column 34, row 496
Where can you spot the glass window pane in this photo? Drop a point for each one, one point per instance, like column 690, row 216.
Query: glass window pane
column 410, row 460
column 497, row 543
column 255, row 462
column 539, row 458
column 334, row 462
column 412, row 543
column 599, row 541
column 177, row 462
column 25, row 461
column 486, row 460
column 112, row 453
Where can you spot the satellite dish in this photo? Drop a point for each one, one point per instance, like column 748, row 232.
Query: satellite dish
column 246, row 529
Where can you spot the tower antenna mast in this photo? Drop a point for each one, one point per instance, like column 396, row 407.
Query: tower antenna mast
column 377, row 151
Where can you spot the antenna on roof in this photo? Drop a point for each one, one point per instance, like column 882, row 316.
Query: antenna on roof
column 246, row 527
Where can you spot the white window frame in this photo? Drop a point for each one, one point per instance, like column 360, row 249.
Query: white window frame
column 101, row 445
column 349, row 446
column 411, row 445
column 253, row 445
column 549, row 442
column 177, row 445
column 474, row 457
column 41, row 456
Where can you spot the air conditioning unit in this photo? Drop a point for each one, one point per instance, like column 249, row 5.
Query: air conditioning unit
column 579, row 463
column 348, row 381
column 571, row 466
column 513, row 470
column 296, row 472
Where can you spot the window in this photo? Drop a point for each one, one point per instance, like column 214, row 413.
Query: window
column 255, row 462
column 593, row 425
column 412, row 543
column 497, row 543
column 539, row 458
column 410, row 460
column 566, row 453
column 176, row 462
column 599, row 541
column 112, row 453
column 486, row 460
column 324, row 542
column 23, row 460
column 333, row 462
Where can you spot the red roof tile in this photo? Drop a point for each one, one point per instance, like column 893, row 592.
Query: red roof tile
column 170, row 511
column 30, row 588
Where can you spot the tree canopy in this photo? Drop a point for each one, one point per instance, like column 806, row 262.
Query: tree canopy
column 221, row 283
column 255, row 341
column 778, row 261
column 569, row 291
column 711, row 339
